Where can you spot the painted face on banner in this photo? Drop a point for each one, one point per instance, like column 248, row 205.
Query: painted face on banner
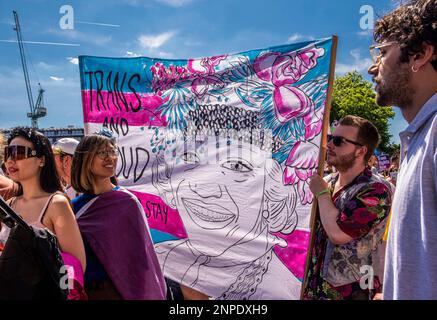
column 218, row 187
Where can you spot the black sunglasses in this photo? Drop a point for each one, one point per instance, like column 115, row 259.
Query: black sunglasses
column 339, row 140
column 19, row 153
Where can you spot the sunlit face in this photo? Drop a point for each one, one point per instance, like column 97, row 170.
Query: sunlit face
column 58, row 163
column 218, row 190
column 25, row 169
column 63, row 164
column 344, row 156
column 104, row 162
column 392, row 78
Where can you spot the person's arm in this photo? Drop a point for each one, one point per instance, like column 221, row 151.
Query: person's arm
column 329, row 216
column 328, row 212
column 61, row 218
column 8, row 188
column 191, row 294
column 369, row 207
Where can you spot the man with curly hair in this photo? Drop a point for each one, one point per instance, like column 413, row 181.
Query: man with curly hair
column 405, row 73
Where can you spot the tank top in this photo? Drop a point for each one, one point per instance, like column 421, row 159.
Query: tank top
column 4, row 231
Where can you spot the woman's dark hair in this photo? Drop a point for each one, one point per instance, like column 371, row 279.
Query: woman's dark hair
column 81, row 176
column 48, row 179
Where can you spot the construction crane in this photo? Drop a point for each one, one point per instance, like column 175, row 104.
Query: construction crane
column 36, row 110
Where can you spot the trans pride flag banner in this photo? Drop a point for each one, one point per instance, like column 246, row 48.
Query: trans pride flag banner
column 219, row 151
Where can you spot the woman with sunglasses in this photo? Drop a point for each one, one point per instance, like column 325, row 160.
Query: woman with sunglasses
column 40, row 200
column 121, row 258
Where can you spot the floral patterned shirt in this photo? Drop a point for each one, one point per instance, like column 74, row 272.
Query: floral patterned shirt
column 336, row 270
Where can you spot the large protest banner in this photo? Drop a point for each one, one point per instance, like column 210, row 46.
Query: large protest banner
column 219, row 151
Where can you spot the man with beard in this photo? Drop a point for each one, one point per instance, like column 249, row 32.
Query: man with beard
column 405, row 73
column 353, row 204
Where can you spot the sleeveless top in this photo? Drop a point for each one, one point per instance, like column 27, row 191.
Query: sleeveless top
column 4, row 231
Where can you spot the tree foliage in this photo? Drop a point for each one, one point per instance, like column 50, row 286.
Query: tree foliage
column 352, row 95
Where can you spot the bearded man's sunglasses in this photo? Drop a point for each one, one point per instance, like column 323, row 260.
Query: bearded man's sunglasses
column 339, row 140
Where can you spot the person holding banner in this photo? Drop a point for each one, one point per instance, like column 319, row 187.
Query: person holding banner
column 121, row 259
column 353, row 204
column 405, row 72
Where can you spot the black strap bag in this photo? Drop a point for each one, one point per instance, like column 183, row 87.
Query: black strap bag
column 31, row 262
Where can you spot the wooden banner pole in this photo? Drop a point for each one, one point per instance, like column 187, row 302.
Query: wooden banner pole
column 322, row 157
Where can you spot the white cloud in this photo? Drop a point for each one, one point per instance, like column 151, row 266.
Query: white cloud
column 134, row 51
column 155, row 41
column 56, row 78
column 73, row 60
column 358, row 64
column 45, row 66
column 297, row 36
column 131, row 54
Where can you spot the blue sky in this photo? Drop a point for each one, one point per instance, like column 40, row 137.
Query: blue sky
column 162, row 28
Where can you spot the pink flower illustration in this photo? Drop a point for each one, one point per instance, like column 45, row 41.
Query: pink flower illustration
column 263, row 65
column 290, row 102
column 300, row 166
column 313, row 122
column 204, row 71
column 204, row 65
column 291, row 68
column 284, row 70
column 166, row 77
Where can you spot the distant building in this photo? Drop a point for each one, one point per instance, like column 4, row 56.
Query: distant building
column 54, row 134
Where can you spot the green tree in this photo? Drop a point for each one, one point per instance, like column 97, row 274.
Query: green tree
column 393, row 149
column 353, row 95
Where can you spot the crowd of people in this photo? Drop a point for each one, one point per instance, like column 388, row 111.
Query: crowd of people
column 385, row 221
